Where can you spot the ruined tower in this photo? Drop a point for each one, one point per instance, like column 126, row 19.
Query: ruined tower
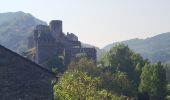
column 56, row 29
column 44, row 42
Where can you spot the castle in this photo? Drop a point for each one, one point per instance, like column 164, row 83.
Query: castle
column 48, row 42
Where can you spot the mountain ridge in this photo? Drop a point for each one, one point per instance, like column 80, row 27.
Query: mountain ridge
column 15, row 27
column 156, row 48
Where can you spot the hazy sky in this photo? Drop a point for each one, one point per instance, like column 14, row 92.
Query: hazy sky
column 100, row 22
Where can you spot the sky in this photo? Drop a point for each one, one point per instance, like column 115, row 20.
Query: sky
column 100, row 22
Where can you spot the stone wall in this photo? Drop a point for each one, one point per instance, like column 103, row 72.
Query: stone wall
column 21, row 79
column 51, row 42
column 70, row 54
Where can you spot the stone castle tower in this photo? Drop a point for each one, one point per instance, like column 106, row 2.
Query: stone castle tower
column 49, row 41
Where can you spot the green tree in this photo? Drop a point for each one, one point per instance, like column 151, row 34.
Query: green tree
column 167, row 66
column 138, row 71
column 76, row 85
column 158, row 82
column 85, row 65
column 118, row 83
column 153, row 81
column 121, row 58
column 145, row 81
column 122, row 62
column 123, row 85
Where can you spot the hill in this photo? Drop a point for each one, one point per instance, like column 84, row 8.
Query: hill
column 15, row 27
column 155, row 48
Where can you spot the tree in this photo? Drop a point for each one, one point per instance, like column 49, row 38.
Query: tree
column 124, row 85
column 85, row 65
column 167, row 66
column 122, row 62
column 158, row 82
column 118, row 83
column 76, row 85
column 138, row 71
column 153, row 81
column 121, row 58
column 145, row 80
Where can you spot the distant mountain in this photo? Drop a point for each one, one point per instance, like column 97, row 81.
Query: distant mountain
column 15, row 27
column 156, row 48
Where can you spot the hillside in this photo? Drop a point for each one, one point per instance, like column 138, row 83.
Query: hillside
column 155, row 48
column 15, row 27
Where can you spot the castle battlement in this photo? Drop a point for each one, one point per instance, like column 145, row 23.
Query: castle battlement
column 50, row 41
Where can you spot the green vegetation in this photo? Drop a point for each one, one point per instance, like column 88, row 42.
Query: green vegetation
column 56, row 64
column 154, row 48
column 153, row 81
column 76, row 85
column 120, row 74
column 168, row 91
column 167, row 66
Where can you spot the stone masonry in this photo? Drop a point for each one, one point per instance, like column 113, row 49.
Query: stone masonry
column 50, row 41
column 22, row 79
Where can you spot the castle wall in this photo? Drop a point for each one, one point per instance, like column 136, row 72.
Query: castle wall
column 30, row 42
column 71, row 37
column 51, row 41
column 47, row 50
column 70, row 54
column 70, row 44
column 21, row 79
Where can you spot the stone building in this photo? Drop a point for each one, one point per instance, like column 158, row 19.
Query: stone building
column 22, row 79
column 50, row 41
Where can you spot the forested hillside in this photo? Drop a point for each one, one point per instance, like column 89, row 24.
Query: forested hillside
column 15, row 27
column 156, row 48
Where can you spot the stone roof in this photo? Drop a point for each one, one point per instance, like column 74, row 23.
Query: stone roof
column 29, row 61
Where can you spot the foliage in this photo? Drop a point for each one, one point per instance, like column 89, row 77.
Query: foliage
column 145, row 79
column 118, row 83
column 153, row 81
column 124, row 85
column 158, row 80
column 168, row 92
column 129, row 69
column 167, row 67
column 168, row 89
column 85, row 65
column 121, row 72
column 55, row 64
column 76, row 85
column 123, row 68
column 121, row 58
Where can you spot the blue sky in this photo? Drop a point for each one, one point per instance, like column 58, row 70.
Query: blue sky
column 100, row 22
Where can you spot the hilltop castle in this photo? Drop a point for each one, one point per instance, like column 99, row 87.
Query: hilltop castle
column 49, row 41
